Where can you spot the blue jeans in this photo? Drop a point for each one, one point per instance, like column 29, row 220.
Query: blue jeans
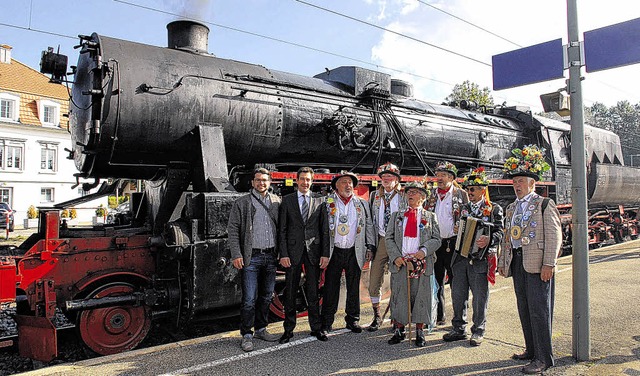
column 258, row 282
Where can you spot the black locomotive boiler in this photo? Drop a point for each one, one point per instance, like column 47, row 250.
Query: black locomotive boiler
column 193, row 126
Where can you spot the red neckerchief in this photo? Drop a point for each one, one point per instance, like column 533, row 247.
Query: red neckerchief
column 345, row 200
column 442, row 193
column 411, row 229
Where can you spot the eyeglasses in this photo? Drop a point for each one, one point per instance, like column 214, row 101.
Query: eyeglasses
column 472, row 189
column 261, row 180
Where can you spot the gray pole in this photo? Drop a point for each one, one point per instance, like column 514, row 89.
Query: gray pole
column 581, row 341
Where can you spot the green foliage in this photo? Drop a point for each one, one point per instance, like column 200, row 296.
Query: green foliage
column 32, row 212
column 120, row 199
column 73, row 213
column 622, row 119
column 470, row 91
column 101, row 211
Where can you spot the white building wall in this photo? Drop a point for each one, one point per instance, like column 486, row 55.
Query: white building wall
column 27, row 184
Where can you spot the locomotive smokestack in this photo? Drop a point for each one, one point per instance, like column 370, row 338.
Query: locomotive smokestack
column 188, row 35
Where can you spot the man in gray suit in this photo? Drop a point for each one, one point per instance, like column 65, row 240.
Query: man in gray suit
column 252, row 229
column 303, row 234
column 351, row 239
column 532, row 241
column 412, row 238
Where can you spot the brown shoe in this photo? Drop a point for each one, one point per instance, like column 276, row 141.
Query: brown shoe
column 522, row 356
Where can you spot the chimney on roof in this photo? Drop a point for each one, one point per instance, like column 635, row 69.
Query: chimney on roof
column 5, row 53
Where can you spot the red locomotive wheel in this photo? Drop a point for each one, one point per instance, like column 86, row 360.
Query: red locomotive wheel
column 113, row 330
column 276, row 308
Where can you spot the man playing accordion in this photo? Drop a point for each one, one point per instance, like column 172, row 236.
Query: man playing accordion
column 412, row 238
column 475, row 268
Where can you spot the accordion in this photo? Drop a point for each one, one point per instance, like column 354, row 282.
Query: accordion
column 469, row 231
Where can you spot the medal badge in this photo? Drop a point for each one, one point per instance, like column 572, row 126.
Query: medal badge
column 516, row 232
column 343, row 218
column 525, row 241
column 343, row 229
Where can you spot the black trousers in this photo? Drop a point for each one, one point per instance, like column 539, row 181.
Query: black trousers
column 442, row 265
column 310, row 286
column 535, row 300
column 341, row 259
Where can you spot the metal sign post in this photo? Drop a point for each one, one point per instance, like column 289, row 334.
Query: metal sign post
column 581, row 340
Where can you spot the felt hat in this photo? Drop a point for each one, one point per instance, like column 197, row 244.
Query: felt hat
column 354, row 178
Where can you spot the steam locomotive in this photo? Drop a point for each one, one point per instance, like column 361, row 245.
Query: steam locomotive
column 193, row 126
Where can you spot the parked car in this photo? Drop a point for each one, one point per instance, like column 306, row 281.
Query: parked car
column 4, row 210
column 121, row 215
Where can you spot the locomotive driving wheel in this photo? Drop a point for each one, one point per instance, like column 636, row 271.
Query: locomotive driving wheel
column 276, row 309
column 116, row 329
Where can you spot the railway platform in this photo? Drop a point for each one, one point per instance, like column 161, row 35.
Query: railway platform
column 614, row 326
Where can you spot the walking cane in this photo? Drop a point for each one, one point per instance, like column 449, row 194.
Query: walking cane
column 407, row 265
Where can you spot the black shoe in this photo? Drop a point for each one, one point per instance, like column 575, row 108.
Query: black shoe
column 420, row 342
column 375, row 324
column 454, row 336
column 398, row 336
column 321, row 335
column 441, row 322
column 534, row 368
column 286, row 336
column 354, row 327
column 522, row 356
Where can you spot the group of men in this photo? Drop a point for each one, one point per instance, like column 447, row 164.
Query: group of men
column 409, row 230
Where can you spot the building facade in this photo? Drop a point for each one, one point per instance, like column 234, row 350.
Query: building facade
column 34, row 170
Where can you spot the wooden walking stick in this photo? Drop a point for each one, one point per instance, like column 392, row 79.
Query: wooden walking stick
column 409, row 265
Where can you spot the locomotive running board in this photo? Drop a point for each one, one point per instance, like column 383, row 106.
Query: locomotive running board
column 37, row 338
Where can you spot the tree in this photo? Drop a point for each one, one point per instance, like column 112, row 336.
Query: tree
column 622, row 119
column 470, row 91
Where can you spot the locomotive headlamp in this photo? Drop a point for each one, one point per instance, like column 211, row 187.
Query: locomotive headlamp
column 54, row 64
column 557, row 102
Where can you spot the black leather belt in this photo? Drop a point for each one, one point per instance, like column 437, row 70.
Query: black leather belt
column 344, row 249
column 517, row 251
column 257, row 251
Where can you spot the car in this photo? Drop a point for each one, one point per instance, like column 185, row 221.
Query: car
column 121, row 215
column 5, row 210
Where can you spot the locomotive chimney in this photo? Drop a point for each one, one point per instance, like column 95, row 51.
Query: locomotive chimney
column 188, row 35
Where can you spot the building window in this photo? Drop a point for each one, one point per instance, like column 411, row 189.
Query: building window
column 6, row 195
column 49, row 112
column 82, row 192
column 11, row 155
column 9, row 107
column 46, row 194
column 48, row 161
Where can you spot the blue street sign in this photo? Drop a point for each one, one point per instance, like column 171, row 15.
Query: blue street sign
column 541, row 62
column 612, row 46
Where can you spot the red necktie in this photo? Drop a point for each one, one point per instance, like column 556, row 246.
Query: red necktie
column 411, row 229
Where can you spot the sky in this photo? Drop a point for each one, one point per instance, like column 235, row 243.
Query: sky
column 433, row 44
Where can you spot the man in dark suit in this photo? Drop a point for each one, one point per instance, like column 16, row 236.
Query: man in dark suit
column 303, row 236
column 475, row 270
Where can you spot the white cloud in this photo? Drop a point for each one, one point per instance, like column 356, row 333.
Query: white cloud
column 525, row 23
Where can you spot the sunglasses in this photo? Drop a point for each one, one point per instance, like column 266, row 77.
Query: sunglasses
column 472, row 189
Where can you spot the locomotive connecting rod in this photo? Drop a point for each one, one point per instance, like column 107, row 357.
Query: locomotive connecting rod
column 107, row 301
